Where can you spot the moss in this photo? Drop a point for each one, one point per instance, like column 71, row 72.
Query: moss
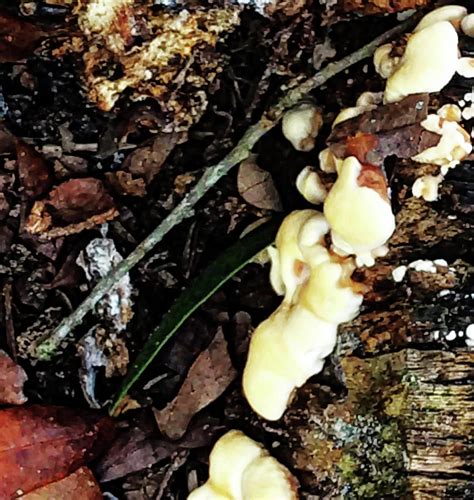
column 371, row 463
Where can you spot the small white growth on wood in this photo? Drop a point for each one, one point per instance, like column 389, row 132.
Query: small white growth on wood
column 399, row 273
column 470, row 335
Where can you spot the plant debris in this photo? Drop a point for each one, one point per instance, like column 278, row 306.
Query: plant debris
column 208, row 378
column 12, row 380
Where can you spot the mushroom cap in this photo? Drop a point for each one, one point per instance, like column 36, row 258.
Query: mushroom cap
column 358, row 215
column 428, row 64
column 301, row 125
column 231, row 455
column 451, row 13
column 267, row 479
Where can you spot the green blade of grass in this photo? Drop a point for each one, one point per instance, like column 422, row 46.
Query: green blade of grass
column 227, row 265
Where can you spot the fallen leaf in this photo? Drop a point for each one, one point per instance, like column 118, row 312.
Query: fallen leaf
column 390, row 129
column 137, row 448
column 124, row 183
column 12, row 380
column 80, row 485
column 256, row 186
column 181, row 183
column 78, row 199
column 146, row 161
column 72, row 207
column 42, row 444
column 7, row 139
column 207, row 379
column 18, row 38
column 379, row 6
column 34, row 173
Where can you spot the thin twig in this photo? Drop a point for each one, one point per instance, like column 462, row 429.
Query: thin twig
column 47, row 347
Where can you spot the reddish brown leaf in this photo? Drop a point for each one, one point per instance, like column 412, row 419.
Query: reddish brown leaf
column 42, row 444
column 207, row 379
column 34, row 173
column 12, row 380
column 78, row 199
column 360, row 145
column 80, row 485
column 379, row 6
column 18, row 38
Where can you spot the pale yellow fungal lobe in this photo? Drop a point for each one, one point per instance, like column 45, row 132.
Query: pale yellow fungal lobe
column 453, row 146
column 426, row 187
column 310, row 186
column 385, row 64
column 301, row 125
column 328, row 162
column 467, row 25
column 451, row 13
column 292, row 344
column 241, row 469
column 361, row 220
column 465, row 67
column 450, row 112
column 428, row 64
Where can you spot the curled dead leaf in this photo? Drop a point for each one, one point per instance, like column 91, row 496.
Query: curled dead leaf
column 74, row 206
column 12, row 380
column 207, row 379
column 256, row 186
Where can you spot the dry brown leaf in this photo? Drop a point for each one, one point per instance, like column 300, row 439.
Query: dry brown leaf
column 12, row 380
column 72, row 207
column 181, row 183
column 43, row 444
column 378, row 6
column 34, row 173
column 207, row 379
column 80, row 485
column 78, row 199
column 18, row 38
column 256, row 186
column 147, row 161
column 124, row 183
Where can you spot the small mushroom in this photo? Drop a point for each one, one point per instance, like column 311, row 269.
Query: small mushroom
column 452, row 13
column 310, row 186
column 360, row 216
column 428, row 64
column 453, row 146
column 426, row 187
column 328, row 161
column 301, row 125
column 384, row 62
column 241, row 469
column 467, row 25
column 465, row 67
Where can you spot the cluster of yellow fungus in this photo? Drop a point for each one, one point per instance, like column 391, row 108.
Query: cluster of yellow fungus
column 316, row 253
column 241, row 469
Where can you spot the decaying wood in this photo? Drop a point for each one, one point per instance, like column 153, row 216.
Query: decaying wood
column 405, row 427
column 401, row 422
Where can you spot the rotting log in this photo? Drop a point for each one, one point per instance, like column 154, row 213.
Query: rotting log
column 393, row 417
column 405, row 428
